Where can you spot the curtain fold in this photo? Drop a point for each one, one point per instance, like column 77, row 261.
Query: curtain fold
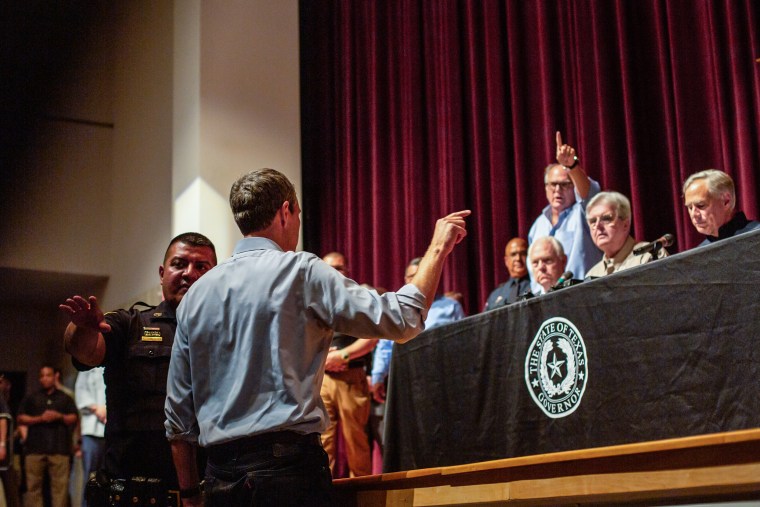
column 412, row 109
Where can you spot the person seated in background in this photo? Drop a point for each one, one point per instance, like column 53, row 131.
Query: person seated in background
column 444, row 309
column 568, row 189
column 710, row 198
column 609, row 218
column 456, row 296
column 548, row 260
column 515, row 259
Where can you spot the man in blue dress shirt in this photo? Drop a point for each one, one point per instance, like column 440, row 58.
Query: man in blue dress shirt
column 249, row 355
column 568, row 189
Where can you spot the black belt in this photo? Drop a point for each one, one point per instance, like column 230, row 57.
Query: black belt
column 258, row 442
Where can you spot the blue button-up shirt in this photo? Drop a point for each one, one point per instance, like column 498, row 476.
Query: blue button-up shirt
column 443, row 311
column 572, row 231
column 253, row 335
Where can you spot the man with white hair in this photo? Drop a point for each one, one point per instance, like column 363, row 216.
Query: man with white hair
column 548, row 260
column 609, row 218
column 710, row 198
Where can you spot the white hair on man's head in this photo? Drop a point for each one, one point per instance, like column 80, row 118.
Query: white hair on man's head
column 618, row 201
column 718, row 183
column 554, row 242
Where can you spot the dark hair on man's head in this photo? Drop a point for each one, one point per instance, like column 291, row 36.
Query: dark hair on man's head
column 256, row 197
column 414, row 262
column 193, row 239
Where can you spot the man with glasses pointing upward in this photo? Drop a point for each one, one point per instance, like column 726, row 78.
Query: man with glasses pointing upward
column 568, row 189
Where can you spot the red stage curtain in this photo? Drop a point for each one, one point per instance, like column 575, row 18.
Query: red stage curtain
column 415, row 108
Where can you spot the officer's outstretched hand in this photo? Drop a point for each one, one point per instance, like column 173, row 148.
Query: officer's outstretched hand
column 85, row 313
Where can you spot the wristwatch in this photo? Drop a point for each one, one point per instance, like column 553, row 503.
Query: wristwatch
column 345, row 355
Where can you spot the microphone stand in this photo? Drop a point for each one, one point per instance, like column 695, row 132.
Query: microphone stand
column 655, row 251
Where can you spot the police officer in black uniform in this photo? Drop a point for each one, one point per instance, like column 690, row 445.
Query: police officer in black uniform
column 135, row 346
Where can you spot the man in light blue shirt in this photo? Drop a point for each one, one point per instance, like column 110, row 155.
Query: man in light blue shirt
column 250, row 349
column 568, row 189
column 90, row 396
column 443, row 311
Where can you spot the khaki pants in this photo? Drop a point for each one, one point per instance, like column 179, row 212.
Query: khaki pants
column 346, row 397
column 57, row 465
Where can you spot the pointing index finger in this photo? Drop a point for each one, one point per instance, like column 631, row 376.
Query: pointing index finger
column 559, row 139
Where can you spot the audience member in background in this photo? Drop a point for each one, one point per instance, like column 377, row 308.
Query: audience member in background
column 134, row 346
column 59, row 383
column 456, row 296
column 609, row 217
column 710, row 198
column 345, row 393
column 515, row 259
column 547, row 257
column 568, row 188
column 11, row 478
column 50, row 416
column 5, row 442
column 90, row 389
column 75, row 492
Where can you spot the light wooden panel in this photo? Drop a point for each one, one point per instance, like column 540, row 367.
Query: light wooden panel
column 718, row 466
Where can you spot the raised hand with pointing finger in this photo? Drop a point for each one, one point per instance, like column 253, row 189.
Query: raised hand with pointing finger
column 567, row 188
column 566, row 154
column 568, row 158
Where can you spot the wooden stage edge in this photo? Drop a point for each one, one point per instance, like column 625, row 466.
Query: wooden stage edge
column 720, row 466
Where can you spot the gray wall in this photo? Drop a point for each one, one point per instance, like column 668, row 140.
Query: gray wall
column 152, row 110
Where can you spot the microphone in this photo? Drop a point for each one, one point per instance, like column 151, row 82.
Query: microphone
column 567, row 275
column 565, row 280
column 665, row 241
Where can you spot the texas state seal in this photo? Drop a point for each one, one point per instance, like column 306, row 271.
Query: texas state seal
column 556, row 367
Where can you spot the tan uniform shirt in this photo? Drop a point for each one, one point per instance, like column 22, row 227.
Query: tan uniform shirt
column 624, row 259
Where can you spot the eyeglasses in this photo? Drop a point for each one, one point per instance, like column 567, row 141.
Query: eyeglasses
column 560, row 185
column 605, row 219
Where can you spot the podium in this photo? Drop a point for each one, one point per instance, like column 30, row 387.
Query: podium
column 661, row 351
column 664, row 352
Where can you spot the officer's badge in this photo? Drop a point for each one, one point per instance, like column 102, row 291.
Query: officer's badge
column 151, row 334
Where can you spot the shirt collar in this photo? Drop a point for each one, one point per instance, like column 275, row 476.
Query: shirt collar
column 255, row 243
column 548, row 213
column 515, row 281
column 728, row 230
column 622, row 254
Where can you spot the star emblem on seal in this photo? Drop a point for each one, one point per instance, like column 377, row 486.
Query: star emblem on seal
column 556, row 367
